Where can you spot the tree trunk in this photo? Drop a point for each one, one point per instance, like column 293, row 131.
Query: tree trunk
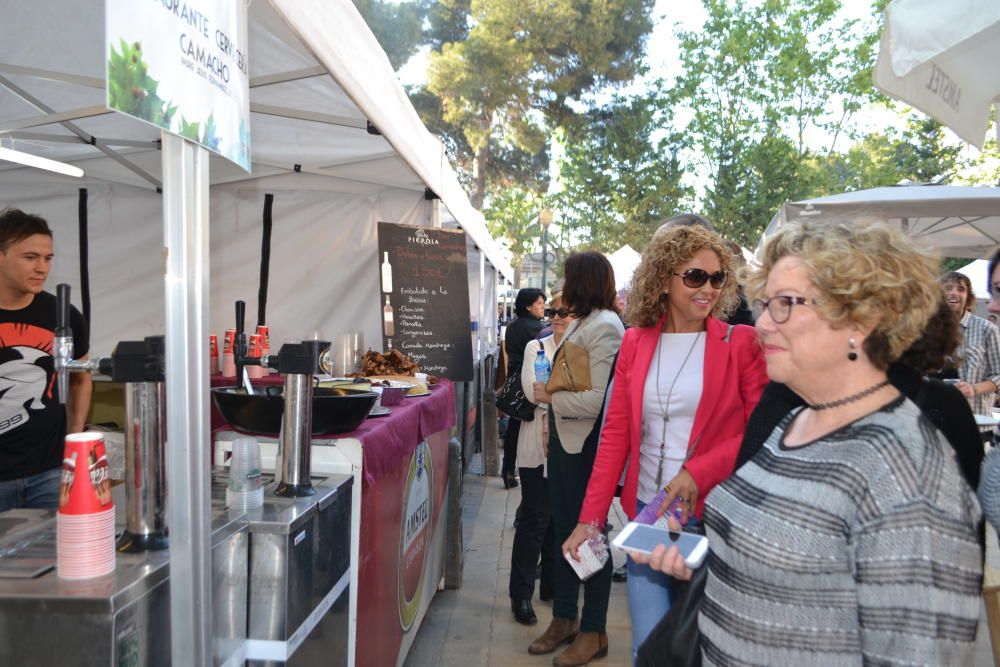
column 479, row 165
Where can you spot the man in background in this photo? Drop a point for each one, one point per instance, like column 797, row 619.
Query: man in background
column 33, row 423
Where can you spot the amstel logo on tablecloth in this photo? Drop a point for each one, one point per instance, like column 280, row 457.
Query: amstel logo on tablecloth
column 415, row 534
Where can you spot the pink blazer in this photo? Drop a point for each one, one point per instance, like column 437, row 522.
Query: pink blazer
column 734, row 377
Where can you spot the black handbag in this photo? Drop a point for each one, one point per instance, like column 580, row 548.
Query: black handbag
column 512, row 401
column 676, row 640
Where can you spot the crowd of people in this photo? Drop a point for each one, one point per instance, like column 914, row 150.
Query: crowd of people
column 830, row 446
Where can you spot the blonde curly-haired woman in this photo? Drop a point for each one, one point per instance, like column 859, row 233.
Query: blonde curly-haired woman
column 685, row 384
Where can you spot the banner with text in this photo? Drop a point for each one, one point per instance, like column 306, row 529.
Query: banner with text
column 425, row 297
column 182, row 66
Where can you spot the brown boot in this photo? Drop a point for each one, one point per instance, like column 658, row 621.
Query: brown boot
column 586, row 647
column 560, row 630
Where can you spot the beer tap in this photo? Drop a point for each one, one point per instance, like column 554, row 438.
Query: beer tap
column 62, row 346
column 140, row 366
column 299, row 362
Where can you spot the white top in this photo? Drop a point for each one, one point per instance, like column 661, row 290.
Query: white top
column 530, row 453
column 676, row 432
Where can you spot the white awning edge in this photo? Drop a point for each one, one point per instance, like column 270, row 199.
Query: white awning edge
column 386, row 106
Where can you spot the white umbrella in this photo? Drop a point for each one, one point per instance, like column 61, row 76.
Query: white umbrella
column 942, row 58
column 955, row 220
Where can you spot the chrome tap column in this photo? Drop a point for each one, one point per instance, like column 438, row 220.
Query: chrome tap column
column 299, row 363
column 296, row 436
column 139, row 364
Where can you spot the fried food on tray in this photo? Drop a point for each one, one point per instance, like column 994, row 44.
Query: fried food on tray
column 392, row 362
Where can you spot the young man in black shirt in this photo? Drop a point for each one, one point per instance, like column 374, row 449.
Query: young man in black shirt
column 33, row 424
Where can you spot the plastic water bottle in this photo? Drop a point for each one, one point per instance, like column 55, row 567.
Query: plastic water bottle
column 543, row 369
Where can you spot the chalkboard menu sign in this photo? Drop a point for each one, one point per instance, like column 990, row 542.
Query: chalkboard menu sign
column 425, row 297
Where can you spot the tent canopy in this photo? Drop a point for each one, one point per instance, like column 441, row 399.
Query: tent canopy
column 324, row 101
column 624, row 261
column 957, row 221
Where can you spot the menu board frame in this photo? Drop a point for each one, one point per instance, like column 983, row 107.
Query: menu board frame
column 424, row 297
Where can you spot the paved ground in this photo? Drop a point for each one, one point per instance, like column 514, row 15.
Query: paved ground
column 473, row 626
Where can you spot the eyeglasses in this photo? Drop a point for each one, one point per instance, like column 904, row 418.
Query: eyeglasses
column 779, row 307
column 553, row 312
column 695, row 278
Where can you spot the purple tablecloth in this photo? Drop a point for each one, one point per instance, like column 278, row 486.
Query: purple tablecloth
column 388, row 439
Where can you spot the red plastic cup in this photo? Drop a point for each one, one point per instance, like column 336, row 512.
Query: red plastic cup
column 213, row 354
column 265, row 334
column 86, row 479
column 229, row 341
column 255, row 348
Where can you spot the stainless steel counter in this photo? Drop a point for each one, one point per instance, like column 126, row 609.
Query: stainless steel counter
column 122, row 618
column 299, row 574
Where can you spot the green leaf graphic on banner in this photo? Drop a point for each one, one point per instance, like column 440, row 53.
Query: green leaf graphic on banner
column 132, row 90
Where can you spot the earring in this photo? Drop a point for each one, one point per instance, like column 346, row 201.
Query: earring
column 852, row 355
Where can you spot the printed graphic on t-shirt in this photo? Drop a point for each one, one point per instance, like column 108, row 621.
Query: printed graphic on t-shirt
column 24, row 384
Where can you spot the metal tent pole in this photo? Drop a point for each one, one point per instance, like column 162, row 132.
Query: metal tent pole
column 185, row 233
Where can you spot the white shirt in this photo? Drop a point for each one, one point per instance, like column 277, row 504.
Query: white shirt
column 530, row 453
column 683, row 403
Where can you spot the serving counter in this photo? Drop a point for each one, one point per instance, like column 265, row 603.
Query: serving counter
column 399, row 516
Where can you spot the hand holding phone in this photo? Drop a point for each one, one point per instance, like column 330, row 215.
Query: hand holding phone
column 638, row 537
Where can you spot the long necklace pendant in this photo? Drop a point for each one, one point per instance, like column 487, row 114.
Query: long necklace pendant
column 659, row 473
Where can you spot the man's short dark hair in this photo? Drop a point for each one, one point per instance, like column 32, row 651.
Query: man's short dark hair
column 16, row 225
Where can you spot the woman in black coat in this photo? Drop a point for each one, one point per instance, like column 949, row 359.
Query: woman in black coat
column 529, row 307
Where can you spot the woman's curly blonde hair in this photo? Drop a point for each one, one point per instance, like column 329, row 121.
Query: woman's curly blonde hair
column 867, row 274
column 669, row 249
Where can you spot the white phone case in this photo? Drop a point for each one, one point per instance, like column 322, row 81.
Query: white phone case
column 694, row 556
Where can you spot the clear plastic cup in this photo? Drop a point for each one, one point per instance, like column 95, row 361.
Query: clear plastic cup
column 245, row 490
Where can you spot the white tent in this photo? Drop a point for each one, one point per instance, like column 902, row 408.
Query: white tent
column 977, row 273
column 957, row 221
column 624, row 261
column 334, row 138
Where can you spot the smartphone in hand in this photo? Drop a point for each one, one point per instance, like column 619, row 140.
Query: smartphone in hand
column 642, row 538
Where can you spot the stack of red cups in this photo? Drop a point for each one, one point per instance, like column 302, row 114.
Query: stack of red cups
column 85, row 523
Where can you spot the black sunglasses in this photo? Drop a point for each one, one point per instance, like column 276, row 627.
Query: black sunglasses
column 561, row 312
column 695, row 278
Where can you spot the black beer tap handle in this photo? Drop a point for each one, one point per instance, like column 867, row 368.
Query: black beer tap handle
column 239, row 344
column 62, row 310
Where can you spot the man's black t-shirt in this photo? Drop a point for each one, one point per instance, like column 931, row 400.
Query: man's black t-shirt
column 32, row 421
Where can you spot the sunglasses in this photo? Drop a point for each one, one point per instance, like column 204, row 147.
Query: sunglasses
column 554, row 312
column 695, row 278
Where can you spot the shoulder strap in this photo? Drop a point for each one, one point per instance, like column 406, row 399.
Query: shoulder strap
column 729, row 332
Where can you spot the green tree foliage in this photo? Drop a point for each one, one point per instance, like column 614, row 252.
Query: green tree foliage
column 920, row 155
column 523, row 63
column 621, row 174
column 398, row 26
column 758, row 78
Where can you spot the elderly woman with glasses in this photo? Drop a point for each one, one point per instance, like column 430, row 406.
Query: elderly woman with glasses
column 850, row 537
column 685, row 384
